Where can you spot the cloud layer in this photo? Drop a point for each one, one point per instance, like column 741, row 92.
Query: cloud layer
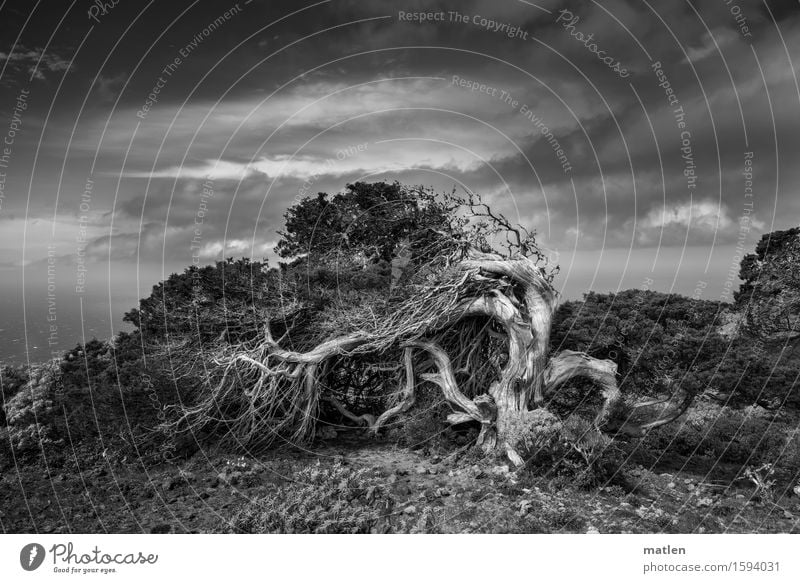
column 283, row 101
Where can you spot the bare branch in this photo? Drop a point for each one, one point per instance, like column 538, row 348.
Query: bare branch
column 406, row 399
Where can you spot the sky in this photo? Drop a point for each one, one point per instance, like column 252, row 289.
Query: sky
column 649, row 144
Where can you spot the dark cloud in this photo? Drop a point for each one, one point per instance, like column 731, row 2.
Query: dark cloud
column 34, row 62
column 280, row 99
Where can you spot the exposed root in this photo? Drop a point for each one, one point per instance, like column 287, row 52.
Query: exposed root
column 446, row 381
column 361, row 420
column 406, row 399
column 568, row 364
column 479, row 330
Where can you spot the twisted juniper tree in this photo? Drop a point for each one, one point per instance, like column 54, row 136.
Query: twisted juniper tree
column 455, row 296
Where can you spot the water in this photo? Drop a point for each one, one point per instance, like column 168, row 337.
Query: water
column 48, row 323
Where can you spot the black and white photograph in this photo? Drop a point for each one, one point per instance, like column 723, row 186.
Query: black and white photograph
column 398, row 267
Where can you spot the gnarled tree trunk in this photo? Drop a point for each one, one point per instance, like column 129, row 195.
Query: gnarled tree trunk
column 283, row 388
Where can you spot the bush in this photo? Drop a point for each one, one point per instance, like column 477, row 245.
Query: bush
column 96, row 389
column 33, row 410
column 592, row 457
column 571, row 449
column 321, row 499
column 108, row 382
column 651, row 336
column 12, row 379
column 748, row 437
column 534, row 434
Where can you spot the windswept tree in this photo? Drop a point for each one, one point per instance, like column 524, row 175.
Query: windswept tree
column 456, row 297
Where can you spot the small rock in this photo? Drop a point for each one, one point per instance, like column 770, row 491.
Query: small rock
column 410, row 509
column 592, row 530
column 671, row 485
column 421, row 470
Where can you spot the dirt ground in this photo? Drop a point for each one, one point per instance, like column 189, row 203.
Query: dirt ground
column 204, row 492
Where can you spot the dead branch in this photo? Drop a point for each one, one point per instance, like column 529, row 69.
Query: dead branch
column 407, row 397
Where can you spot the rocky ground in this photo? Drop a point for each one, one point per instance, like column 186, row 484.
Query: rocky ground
column 417, row 493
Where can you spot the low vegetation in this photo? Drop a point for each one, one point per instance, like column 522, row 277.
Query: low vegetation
column 645, row 412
